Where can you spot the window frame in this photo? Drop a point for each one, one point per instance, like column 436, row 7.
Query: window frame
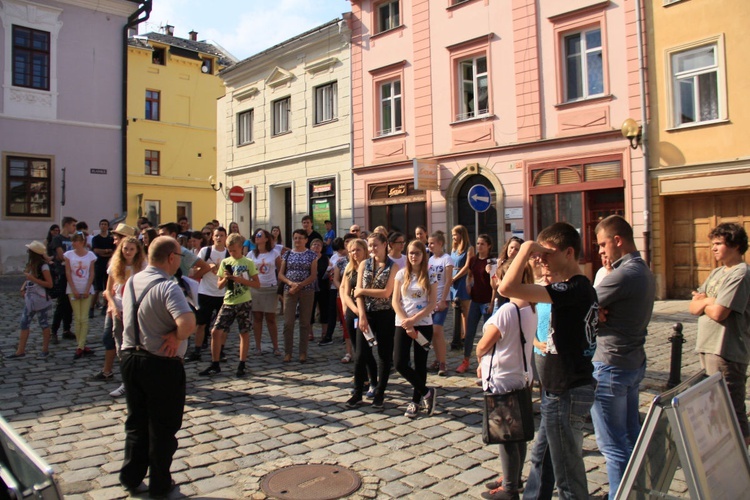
column 463, row 114
column 27, row 180
column 378, row 18
column 322, row 100
column 30, row 76
column 672, row 89
column 584, row 77
column 473, row 49
column 245, row 131
column 396, row 102
column 276, row 116
column 151, row 157
column 152, row 112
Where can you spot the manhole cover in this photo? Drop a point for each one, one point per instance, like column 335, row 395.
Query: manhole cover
column 311, row 482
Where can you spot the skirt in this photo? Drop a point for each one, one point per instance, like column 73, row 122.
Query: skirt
column 265, row 299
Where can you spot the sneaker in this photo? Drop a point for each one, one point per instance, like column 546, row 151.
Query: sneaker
column 325, row 341
column 54, row 339
column 211, row 370
column 493, row 485
column 353, row 401
column 435, row 366
column 17, row 356
column 194, row 356
column 428, row 401
column 67, row 334
column 88, row 352
column 463, row 367
column 412, row 410
column 371, row 392
column 378, row 401
column 101, row 376
column 78, row 354
column 443, row 370
column 119, row 392
column 43, row 355
column 222, row 356
column 500, row 494
column 241, row 371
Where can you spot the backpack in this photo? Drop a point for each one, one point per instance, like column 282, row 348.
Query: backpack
column 59, row 280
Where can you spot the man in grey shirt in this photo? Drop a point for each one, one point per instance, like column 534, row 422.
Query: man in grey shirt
column 154, row 341
column 626, row 300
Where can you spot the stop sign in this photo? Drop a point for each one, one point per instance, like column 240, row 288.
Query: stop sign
column 237, row 194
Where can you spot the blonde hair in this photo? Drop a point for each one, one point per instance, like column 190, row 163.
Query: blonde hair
column 464, row 244
column 351, row 266
column 235, row 239
column 528, row 275
column 422, row 272
column 118, row 266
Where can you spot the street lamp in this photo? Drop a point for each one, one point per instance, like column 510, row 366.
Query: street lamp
column 632, row 132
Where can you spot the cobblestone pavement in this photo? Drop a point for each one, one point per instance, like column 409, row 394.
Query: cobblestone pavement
column 237, row 430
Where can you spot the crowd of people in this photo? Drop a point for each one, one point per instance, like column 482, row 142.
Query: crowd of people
column 390, row 293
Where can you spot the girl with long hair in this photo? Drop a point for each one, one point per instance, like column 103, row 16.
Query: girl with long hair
column 461, row 253
column 414, row 298
column 36, row 301
column 441, row 265
column 376, row 315
column 54, row 230
column 267, row 262
column 501, row 370
column 148, row 235
column 129, row 259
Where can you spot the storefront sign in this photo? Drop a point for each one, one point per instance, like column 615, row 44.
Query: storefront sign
column 425, row 174
column 322, row 188
column 399, row 190
column 321, row 212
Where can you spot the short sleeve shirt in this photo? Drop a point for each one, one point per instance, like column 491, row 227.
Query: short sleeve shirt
column 237, row 293
column 188, row 260
column 102, row 243
column 80, row 269
column 265, row 263
column 730, row 338
column 415, row 298
column 299, row 267
column 439, row 266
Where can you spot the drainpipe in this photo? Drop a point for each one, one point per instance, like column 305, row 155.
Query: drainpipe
column 133, row 20
column 644, row 140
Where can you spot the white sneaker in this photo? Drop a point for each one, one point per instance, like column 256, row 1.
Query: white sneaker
column 119, row 392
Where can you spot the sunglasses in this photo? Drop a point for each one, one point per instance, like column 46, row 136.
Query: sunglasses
column 259, row 234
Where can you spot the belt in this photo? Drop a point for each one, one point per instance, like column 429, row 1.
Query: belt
column 141, row 351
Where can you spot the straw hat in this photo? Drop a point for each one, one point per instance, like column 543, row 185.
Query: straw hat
column 124, row 230
column 37, row 247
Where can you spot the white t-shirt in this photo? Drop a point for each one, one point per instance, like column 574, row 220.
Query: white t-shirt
column 415, row 298
column 438, row 267
column 506, row 373
column 80, row 267
column 265, row 264
column 209, row 284
column 401, row 261
column 119, row 288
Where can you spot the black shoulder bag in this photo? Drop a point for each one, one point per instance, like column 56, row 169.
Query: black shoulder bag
column 509, row 417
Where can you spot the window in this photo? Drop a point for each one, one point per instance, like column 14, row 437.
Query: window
column 207, row 66
column 326, row 108
column 153, row 211
column 185, row 209
column 281, row 116
column 695, row 84
column 153, row 100
column 473, row 88
column 31, row 58
column 390, row 107
column 584, row 70
column 152, row 162
column 397, row 206
column 159, row 56
column 245, row 127
column 27, row 190
column 387, row 16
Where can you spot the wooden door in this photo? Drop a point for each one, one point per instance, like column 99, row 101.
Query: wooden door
column 688, row 220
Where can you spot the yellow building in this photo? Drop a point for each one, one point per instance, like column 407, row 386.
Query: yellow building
column 699, row 154
column 172, row 93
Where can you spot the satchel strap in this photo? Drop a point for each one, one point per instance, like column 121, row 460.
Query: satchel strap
column 523, row 350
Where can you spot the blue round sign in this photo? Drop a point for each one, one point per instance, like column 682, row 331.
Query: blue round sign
column 480, row 198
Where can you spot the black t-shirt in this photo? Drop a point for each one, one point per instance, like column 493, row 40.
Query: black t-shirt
column 572, row 336
column 102, row 243
column 312, row 236
column 58, row 242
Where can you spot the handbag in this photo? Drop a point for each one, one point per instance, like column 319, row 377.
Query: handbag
column 509, row 417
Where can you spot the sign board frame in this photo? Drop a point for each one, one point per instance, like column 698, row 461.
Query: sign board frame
column 426, row 175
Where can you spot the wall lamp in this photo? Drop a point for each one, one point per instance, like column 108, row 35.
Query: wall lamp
column 212, row 181
column 632, row 132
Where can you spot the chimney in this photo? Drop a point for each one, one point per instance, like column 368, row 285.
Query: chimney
column 193, row 35
column 169, row 29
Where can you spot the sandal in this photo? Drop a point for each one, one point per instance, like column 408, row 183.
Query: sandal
column 276, row 352
column 346, row 359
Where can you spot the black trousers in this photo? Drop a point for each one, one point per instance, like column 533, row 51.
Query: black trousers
column 416, row 376
column 383, row 326
column 371, row 366
column 155, row 394
column 63, row 314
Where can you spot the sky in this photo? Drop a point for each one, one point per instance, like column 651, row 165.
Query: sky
column 243, row 27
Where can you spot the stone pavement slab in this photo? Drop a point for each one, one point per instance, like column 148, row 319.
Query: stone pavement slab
column 235, row 431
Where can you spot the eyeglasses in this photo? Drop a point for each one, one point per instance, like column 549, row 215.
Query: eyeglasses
column 399, row 242
column 178, row 253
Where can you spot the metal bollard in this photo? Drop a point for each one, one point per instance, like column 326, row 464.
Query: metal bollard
column 675, row 364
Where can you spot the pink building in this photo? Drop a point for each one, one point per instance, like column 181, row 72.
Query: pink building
column 525, row 97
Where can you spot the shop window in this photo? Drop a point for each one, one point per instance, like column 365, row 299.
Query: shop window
column 322, row 195
column 397, row 206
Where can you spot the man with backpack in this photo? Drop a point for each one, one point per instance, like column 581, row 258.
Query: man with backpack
column 63, row 311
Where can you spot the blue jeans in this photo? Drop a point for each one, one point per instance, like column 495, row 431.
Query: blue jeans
column 477, row 311
column 557, row 454
column 616, row 418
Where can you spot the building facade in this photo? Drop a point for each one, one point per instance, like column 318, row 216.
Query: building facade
column 524, row 97
column 284, row 133
column 699, row 157
column 60, row 117
column 172, row 91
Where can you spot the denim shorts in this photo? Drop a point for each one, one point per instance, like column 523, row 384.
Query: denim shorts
column 27, row 315
column 438, row 317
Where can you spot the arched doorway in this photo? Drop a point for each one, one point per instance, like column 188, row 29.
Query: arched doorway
column 482, row 222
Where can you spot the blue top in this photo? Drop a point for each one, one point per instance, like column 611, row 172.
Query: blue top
column 330, row 235
column 458, row 287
